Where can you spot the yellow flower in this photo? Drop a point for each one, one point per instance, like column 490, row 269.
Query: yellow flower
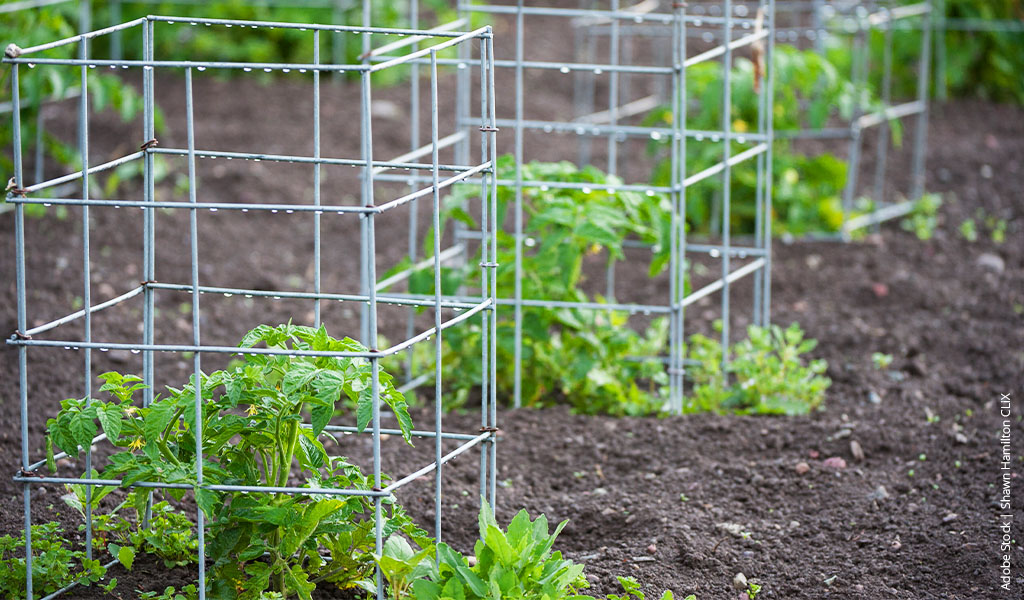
column 739, row 126
column 594, row 249
column 137, row 444
column 252, row 410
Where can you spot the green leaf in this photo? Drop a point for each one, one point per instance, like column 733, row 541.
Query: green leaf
column 157, row 419
column 320, row 417
column 110, row 418
column 124, row 555
column 364, row 408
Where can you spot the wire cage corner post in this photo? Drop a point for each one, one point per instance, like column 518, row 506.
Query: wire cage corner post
column 448, row 313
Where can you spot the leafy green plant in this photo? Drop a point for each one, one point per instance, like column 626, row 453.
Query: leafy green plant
column 54, row 565
column 923, row 218
column 253, row 436
column 569, row 355
column 881, row 360
column 969, row 230
column 766, row 373
column 518, row 563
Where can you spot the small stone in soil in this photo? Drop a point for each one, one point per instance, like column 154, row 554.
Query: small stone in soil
column 834, row 462
column 950, row 517
column 652, row 549
column 739, row 582
column 880, row 493
column 874, row 398
column 802, row 467
column 856, row 451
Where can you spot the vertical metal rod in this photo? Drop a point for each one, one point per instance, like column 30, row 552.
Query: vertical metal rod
column 485, row 316
column 938, row 22
column 759, row 214
column 613, row 121
column 677, row 231
column 435, row 159
column 336, row 40
column 493, row 147
column 365, row 284
column 116, row 40
column 882, row 143
column 921, row 128
column 317, row 285
column 414, row 143
column 148, row 233
column 371, row 341
column 196, row 339
column 19, row 262
column 40, row 158
column 859, row 75
column 726, row 179
column 83, row 149
column 769, row 173
column 517, row 396
column 463, row 95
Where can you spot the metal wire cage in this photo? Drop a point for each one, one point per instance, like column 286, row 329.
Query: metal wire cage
column 403, row 47
column 613, row 136
column 853, row 24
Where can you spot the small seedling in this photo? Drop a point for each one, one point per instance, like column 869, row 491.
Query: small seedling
column 880, row 360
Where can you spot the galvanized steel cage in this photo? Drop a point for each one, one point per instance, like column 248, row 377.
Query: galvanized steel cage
column 404, row 46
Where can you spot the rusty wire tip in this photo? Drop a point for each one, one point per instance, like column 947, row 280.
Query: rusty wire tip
column 489, row 430
column 489, row 129
column 12, row 51
column 150, row 144
column 680, row 5
column 489, row 265
column 21, row 336
column 147, row 282
column 11, row 184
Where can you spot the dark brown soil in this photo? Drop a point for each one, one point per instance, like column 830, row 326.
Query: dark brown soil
column 681, row 503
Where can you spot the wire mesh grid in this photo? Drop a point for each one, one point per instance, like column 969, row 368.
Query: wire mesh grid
column 618, row 131
column 404, row 48
column 818, row 24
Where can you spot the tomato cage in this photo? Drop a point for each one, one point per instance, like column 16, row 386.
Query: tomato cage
column 867, row 31
column 614, row 135
column 75, row 336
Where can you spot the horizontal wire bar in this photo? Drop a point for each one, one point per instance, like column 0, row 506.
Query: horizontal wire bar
column 29, row 4
column 718, row 168
column 185, row 205
column 611, row 14
column 423, row 264
column 429, row 332
column 424, row 150
column 900, row 12
column 618, row 307
column 77, row 38
column 308, row 26
column 78, row 174
column 76, row 582
column 893, row 112
column 879, row 216
column 719, row 284
column 413, row 39
column 187, row 64
column 628, row 109
column 544, row 185
column 828, row 133
column 99, row 438
column 478, row 33
column 720, row 50
column 596, row 129
column 430, row 190
column 564, row 67
column 81, row 313
column 277, row 295
column 349, row 162
column 214, row 487
column 447, row 457
column 414, row 432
